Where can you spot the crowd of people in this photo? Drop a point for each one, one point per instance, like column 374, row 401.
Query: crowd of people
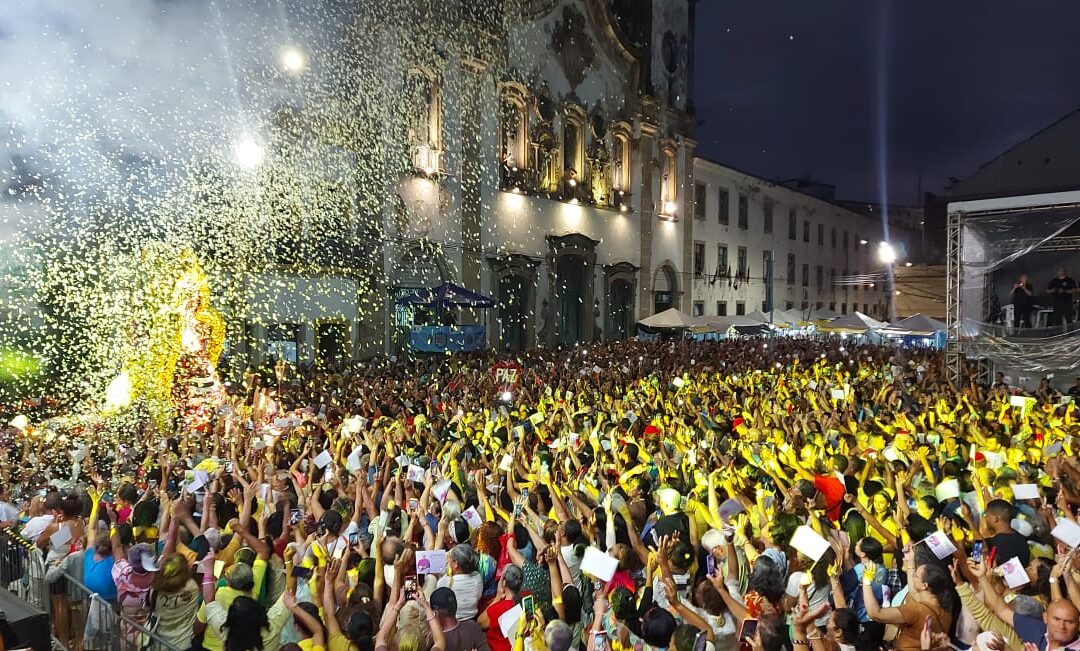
column 761, row 494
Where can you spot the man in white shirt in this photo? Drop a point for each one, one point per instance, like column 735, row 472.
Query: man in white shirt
column 9, row 513
column 37, row 525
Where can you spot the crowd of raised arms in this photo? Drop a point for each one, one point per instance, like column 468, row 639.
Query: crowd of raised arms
column 757, row 494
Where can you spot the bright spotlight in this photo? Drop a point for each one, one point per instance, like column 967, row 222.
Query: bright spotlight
column 506, row 396
column 293, row 59
column 670, row 207
column 248, row 152
column 886, row 253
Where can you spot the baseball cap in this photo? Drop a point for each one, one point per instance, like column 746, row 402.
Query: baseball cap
column 142, row 559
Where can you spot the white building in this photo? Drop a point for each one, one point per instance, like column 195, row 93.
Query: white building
column 824, row 256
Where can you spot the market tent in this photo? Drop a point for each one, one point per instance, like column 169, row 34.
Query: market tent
column 722, row 323
column 448, row 294
column 760, row 316
column 778, row 318
column 854, row 323
column 917, row 324
column 823, row 315
column 917, row 330
column 670, row 319
column 793, row 318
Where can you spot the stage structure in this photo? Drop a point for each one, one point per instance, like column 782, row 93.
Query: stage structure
column 987, row 236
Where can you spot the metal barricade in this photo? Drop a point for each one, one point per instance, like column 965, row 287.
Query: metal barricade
column 106, row 629
column 93, row 624
column 22, row 570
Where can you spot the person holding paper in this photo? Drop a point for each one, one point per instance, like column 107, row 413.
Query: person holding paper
column 997, row 526
column 1058, row 628
column 930, row 596
column 463, row 578
column 508, row 596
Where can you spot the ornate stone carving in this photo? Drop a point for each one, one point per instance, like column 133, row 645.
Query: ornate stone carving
column 571, row 44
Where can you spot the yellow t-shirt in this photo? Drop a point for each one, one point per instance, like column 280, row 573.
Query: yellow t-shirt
column 338, row 642
column 225, row 596
column 309, row 645
column 889, row 524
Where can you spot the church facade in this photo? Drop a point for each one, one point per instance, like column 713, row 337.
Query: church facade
column 538, row 151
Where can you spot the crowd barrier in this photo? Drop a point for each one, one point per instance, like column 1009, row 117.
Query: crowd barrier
column 77, row 618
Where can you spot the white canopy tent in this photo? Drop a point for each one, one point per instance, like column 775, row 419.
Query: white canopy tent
column 823, row 315
column 917, row 324
column 854, row 323
column 670, row 319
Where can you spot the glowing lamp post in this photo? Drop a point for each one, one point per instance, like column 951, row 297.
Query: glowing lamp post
column 887, row 255
column 292, row 59
column 248, row 153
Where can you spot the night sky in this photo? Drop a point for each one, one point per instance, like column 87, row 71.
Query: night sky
column 788, row 88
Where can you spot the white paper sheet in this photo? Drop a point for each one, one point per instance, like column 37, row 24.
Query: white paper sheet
column 472, row 516
column 597, row 564
column 1014, row 573
column 509, row 622
column 431, row 562
column 940, row 544
column 1067, row 532
column 323, row 459
column 1025, row 491
column 809, row 543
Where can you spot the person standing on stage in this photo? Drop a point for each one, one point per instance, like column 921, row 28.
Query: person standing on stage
column 1062, row 288
column 1021, row 300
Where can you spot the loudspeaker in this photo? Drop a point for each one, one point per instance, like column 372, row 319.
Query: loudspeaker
column 23, row 625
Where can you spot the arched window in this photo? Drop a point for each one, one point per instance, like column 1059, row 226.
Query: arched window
column 423, row 96
column 669, row 182
column 573, row 150
column 514, row 128
column 620, row 157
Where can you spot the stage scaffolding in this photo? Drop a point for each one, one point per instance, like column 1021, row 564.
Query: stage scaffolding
column 982, row 236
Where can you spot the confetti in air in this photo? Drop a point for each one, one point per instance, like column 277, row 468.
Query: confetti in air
column 299, row 158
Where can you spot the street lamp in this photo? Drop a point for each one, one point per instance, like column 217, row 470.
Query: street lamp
column 886, row 253
column 248, row 152
column 292, row 59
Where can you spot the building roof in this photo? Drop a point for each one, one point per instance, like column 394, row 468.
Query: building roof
column 1046, row 161
column 779, row 184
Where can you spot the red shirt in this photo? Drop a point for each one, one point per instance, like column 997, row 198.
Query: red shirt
column 833, row 489
column 621, row 579
column 494, row 634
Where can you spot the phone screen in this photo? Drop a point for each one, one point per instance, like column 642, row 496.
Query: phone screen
column 414, row 504
column 528, row 606
column 710, row 565
column 599, row 641
column 976, row 552
column 295, row 516
column 749, row 628
column 354, row 538
column 410, row 587
column 301, row 572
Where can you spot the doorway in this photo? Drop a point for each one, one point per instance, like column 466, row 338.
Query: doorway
column 513, row 312
column 571, row 276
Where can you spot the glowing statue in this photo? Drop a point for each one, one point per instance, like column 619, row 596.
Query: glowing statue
column 170, row 364
column 196, row 391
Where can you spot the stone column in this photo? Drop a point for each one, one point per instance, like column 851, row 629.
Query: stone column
column 643, row 155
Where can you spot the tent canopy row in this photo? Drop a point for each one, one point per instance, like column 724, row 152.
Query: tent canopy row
column 826, row 321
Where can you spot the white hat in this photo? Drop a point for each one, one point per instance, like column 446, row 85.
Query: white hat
column 712, row 539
